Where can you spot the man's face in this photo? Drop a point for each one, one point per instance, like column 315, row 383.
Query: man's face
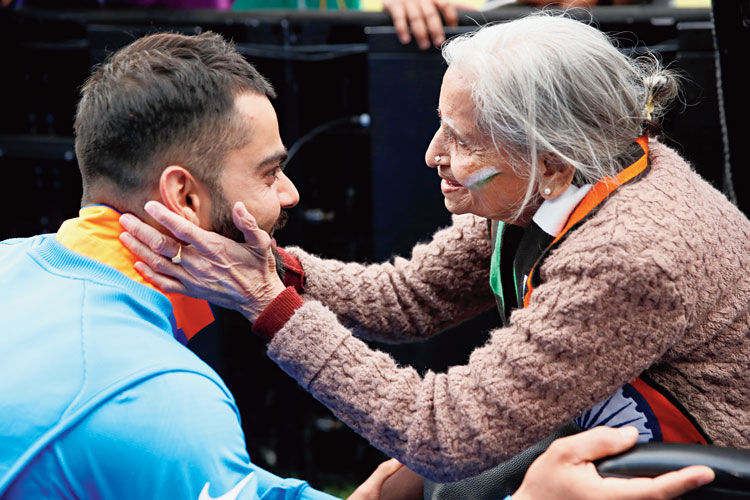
column 253, row 174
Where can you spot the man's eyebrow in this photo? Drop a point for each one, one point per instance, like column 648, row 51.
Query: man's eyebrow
column 275, row 159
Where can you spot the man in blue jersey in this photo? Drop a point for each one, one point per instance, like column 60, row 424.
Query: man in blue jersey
column 99, row 398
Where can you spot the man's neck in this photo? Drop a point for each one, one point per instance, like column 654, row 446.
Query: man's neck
column 96, row 234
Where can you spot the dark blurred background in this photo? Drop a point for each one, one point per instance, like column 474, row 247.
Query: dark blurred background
column 361, row 109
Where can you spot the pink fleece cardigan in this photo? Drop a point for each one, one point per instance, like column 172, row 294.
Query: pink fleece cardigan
column 658, row 280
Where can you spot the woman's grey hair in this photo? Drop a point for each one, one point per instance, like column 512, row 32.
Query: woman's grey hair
column 549, row 84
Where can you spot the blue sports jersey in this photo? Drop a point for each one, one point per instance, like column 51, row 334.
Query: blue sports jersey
column 98, row 399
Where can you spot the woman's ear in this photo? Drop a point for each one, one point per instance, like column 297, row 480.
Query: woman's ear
column 183, row 194
column 557, row 176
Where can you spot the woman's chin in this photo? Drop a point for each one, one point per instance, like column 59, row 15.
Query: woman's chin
column 458, row 207
column 451, row 206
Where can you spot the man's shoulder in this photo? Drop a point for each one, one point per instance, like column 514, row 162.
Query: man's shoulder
column 19, row 247
column 91, row 340
column 165, row 436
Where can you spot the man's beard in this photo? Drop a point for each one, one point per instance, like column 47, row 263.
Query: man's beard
column 222, row 223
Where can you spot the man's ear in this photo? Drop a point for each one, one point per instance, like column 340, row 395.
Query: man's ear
column 183, row 194
column 557, row 176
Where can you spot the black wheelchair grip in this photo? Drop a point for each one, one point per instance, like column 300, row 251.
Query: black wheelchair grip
column 731, row 466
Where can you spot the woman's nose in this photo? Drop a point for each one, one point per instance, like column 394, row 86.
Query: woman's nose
column 435, row 154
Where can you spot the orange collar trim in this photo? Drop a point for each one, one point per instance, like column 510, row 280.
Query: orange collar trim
column 596, row 195
column 605, row 187
column 95, row 234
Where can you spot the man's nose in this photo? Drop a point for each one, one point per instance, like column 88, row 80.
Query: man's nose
column 288, row 194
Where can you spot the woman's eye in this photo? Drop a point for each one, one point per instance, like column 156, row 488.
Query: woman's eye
column 461, row 144
column 454, row 139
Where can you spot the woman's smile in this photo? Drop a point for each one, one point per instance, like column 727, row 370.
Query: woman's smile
column 448, row 186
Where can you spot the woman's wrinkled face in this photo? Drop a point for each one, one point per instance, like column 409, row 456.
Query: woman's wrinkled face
column 477, row 178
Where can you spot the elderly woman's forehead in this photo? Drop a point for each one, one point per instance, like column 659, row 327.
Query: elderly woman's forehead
column 456, row 87
column 456, row 102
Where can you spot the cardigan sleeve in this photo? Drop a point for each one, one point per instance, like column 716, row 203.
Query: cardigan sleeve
column 600, row 317
column 445, row 281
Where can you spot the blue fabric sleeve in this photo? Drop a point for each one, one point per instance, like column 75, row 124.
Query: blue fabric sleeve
column 169, row 437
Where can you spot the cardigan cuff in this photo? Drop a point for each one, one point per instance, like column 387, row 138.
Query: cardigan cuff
column 294, row 275
column 277, row 313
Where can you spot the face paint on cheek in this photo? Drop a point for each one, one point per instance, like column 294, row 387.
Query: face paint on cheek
column 480, row 178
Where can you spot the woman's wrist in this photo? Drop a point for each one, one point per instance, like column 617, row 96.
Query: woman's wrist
column 294, row 275
column 277, row 313
column 256, row 294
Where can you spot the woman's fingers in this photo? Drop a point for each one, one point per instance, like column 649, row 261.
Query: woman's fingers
column 152, row 239
column 257, row 239
column 165, row 283
column 181, row 228
column 144, row 251
column 157, row 269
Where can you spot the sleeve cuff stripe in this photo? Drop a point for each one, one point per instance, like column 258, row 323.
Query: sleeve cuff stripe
column 278, row 312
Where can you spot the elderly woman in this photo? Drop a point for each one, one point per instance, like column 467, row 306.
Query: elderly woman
column 622, row 275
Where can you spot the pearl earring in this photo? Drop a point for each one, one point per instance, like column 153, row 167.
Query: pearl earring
column 547, row 191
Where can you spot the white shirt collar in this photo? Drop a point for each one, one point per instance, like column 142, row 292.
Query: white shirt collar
column 552, row 215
